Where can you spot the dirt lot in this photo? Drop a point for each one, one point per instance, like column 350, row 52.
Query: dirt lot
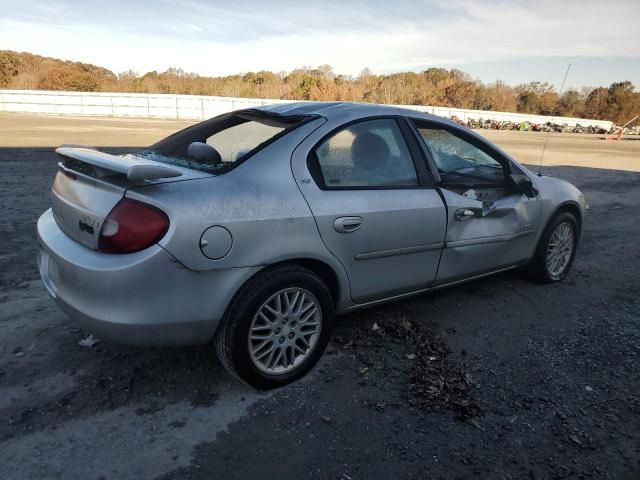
column 500, row 378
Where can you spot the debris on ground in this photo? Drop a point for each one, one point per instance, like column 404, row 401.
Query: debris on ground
column 429, row 380
column 89, row 341
column 488, row 124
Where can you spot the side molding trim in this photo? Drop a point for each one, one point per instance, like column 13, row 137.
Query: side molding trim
column 399, row 251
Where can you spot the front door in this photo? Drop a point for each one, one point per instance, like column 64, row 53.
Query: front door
column 374, row 210
column 490, row 225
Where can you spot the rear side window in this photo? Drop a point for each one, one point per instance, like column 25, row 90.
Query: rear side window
column 372, row 153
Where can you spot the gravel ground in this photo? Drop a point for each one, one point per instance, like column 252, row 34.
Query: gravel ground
column 499, row 378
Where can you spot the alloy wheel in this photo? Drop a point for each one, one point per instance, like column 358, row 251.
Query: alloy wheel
column 285, row 330
column 560, row 249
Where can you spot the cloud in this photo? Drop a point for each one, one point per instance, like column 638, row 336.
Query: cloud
column 229, row 37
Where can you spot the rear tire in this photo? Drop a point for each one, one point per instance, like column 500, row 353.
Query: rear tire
column 277, row 327
column 556, row 250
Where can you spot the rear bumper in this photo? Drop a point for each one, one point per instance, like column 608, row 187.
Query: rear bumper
column 145, row 298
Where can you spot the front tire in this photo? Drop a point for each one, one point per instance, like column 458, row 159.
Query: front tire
column 556, row 250
column 276, row 327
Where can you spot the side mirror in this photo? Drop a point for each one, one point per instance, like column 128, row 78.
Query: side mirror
column 203, row 152
column 523, row 184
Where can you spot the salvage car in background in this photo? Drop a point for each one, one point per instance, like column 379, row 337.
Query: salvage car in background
column 256, row 227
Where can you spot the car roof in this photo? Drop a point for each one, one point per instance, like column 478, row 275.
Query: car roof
column 340, row 110
column 338, row 113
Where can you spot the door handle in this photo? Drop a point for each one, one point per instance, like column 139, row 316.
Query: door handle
column 347, row 224
column 463, row 214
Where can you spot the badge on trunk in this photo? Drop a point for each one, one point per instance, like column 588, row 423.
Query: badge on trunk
column 87, row 224
column 85, row 227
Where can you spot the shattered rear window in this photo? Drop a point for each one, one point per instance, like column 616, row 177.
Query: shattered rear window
column 234, row 136
column 235, row 142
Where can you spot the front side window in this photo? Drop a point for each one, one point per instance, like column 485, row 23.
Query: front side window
column 459, row 161
column 372, row 153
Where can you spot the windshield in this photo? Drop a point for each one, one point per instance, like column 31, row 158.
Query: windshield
column 218, row 144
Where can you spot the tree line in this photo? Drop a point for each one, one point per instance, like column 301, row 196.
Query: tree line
column 435, row 87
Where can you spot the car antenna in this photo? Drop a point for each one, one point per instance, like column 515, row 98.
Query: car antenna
column 546, row 139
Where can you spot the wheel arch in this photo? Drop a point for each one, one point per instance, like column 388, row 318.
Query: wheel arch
column 571, row 207
column 322, row 269
column 336, row 281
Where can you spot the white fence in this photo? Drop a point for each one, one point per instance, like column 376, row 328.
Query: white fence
column 201, row 107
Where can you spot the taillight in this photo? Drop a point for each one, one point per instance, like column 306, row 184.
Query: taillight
column 132, row 226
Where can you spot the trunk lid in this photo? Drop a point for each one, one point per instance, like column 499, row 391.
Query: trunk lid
column 89, row 183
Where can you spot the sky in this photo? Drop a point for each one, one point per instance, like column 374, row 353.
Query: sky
column 513, row 41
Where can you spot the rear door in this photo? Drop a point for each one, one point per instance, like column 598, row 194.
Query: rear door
column 374, row 205
column 490, row 226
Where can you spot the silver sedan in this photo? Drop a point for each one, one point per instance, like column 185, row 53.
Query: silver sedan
column 255, row 228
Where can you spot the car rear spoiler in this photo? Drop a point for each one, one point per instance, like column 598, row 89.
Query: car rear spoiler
column 134, row 168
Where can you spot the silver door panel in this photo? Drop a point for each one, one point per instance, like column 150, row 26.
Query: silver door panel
column 499, row 236
column 397, row 246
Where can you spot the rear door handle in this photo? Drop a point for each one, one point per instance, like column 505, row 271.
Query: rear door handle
column 347, row 224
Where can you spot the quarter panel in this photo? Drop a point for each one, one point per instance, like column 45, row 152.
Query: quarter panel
column 257, row 202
